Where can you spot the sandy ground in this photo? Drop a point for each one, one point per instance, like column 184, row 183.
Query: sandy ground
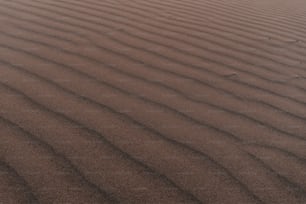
column 156, row 101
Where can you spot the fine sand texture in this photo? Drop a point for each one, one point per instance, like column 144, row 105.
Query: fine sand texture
column 153, row 101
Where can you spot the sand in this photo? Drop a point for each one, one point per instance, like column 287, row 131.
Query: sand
column 156, row 101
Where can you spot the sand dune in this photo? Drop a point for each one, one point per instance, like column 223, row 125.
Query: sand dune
column 152, row 101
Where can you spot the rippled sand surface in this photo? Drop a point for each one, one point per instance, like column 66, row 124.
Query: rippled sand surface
column 156, row 101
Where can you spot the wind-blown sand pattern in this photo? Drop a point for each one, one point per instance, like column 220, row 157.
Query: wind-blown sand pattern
column 132, row 101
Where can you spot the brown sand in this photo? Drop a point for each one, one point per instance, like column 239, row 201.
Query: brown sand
column 156, row 101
